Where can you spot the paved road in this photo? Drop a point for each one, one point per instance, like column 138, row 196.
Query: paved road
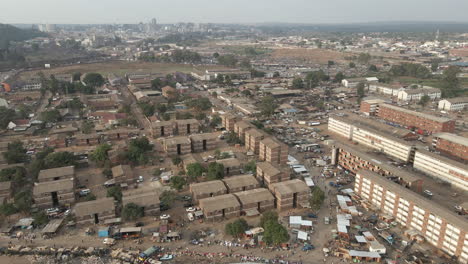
column 129, row 99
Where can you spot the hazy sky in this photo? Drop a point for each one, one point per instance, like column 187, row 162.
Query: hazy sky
column 230, row 11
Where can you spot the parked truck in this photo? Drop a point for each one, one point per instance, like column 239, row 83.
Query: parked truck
column 148, row 253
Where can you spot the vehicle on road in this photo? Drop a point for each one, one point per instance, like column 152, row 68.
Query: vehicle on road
column 428, row 193
column 148, row 253
column 140, row 179
column 108, row 241
column 191, row 209
column 84, row 192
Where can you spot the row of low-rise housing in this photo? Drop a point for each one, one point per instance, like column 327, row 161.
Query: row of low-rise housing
column 407, row 118
column 437, row 224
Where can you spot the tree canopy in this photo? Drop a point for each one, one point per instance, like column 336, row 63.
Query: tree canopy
column 316, row 199
column 178, row 182
column 115, row 192
column 410, row 69
column 228, row 60
column 268, row 106
column 16, row 153
column 51, row 116
column 237, row 228
column 94, row 79
column 59, row 159
column 215, row 171
column 132, row 212
column 138, row 150
column 195, row 171
column 99, row 155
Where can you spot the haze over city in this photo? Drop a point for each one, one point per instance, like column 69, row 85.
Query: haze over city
column 234, row 131
column 229, row 11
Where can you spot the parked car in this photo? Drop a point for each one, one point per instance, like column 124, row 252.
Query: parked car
column 191, row 209
column 109, row 183
column 190, row 217
column 84, row 192
column 164, row 207
column 311, row 215
column 428, row 193
column 307, row 247
column 109, row 241
column 164, row 217
column 140, row 179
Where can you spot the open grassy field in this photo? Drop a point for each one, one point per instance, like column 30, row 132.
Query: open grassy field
column 120, row 68
column 321, row 56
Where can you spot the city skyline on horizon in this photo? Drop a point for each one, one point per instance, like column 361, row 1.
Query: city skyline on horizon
column 228, row 12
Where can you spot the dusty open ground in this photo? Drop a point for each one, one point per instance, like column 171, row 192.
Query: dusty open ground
column 321, row 56
column 120, row 68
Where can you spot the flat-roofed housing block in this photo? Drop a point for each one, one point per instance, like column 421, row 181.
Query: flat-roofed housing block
column 54, row 193
column 207, row 189
column 439, row 225
column 267, row 173
column 95, row 212
column 290, row 194
column 260, row 200
column 177, row 146
column 241, row 183
column 148, row 200
column 442, row 168
column 220, row 207
column 204, row 142
column 273, row 151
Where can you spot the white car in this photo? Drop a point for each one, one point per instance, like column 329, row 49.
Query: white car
column 140, row 179
column 428, row 193
column 164, row 217
column 191, row 209
column 190, row 217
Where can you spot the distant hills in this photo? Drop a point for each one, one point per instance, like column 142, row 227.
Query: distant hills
column 10, row 33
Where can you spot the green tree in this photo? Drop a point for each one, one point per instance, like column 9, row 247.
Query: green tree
column 250, row 166
column 361, row 92
column 51, row 116
column 215, row 121
column 237, row 228
column 268, row 106
column 275, row 233
column 6, row 116
column 94, row 79
column 200, row 104
column 76, row 76
column 23, row 201
column 178, row 182
column 59, row 159
column 176, row 160
column 338, row 77
column 100, row 154
column 132, row 212
column 268, row 216
column 450, row 82
column 373, row 68
column 228, row 60
column 40, row 218
column 90, row 197
column 16, row 153
column 147, row 108
column 316, row 198
column 137, row 151
column 434, row 66
column 87, row 127
column 298, row 83
column 215, row 171
column 195, row 171
column 115, row 192
column 167, row 197
column 233, row 138
column 245, row 63
column 8, row 209
column 364, row 58
column 424, row 100
column 276, row 75
column 352, row 65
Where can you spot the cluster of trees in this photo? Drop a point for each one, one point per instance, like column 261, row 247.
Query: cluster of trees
column 178, row 182
column 100, row 154
column 159, row 83
column 268, row 106
column 233, row 138
column 311, row 80
column 450, row 83
column 410, row 69
column 195, row 171
column 138, row 150
column 228, row 60
column 215, row 171
column 132, row 212
column 94, row 79
column 50, row 116
column 275, row 233
column 7, row 115
column 63, row 87
column 16, row 153
column 237, row 228
column 361, row 91
column 75, row 103
column 200, row 104
column 178, row 56
column 316, row 199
